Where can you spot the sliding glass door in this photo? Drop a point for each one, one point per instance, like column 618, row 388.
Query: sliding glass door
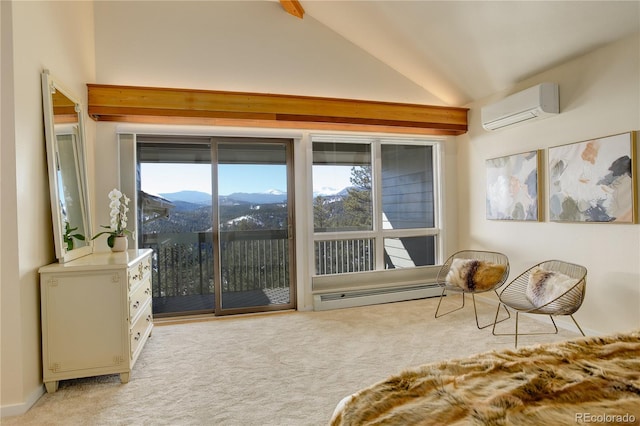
column 254, row 219
column 218, row 215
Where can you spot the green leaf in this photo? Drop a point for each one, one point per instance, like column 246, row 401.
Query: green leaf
column 100, row 233
column 111, row 240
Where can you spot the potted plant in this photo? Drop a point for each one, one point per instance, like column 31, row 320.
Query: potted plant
column 117, row 229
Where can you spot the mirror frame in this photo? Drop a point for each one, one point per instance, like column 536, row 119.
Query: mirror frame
column 49, row 87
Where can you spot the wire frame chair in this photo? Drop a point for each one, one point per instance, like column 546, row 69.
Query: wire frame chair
column 487, row 256
column 514, row 296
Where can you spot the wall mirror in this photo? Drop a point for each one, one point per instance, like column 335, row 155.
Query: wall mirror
column 64, row 134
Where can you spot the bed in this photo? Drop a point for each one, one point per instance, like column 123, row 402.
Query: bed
column 585, row 380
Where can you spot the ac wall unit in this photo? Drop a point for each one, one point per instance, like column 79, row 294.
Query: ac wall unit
column 534, row 103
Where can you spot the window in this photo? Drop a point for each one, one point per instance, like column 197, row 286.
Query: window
column 374, row 204
column 342, row 176
column 408, row 203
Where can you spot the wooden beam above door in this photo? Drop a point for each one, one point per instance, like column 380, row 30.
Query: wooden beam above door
column 207, row 107
column 293, row 7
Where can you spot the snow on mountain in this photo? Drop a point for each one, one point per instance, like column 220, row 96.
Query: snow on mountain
column 327, row 191
column 274, row 192
column 257, row 198
column 244, row 218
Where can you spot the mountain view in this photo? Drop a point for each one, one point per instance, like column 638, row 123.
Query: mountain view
column 192, row 212
column 333, row 209
column 202, row 198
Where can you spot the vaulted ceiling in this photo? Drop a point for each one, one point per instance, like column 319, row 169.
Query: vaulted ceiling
column 461, row 51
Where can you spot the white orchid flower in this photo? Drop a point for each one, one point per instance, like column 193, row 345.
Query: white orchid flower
column 118, row 211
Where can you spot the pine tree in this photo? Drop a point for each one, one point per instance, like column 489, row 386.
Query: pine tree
column 321, row 213
column 358, row 208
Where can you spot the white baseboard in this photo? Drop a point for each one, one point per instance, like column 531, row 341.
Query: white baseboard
column 19, row 409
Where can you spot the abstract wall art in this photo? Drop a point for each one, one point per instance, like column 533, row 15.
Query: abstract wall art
column 593, row 181
column 513, row 187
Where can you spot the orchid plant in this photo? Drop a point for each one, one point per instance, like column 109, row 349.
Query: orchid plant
column 118, row 204
column 69, row 235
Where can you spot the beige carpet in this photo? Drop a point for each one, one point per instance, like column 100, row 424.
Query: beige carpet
column 273, row 369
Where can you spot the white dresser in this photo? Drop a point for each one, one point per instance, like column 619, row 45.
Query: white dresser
column 96, row 315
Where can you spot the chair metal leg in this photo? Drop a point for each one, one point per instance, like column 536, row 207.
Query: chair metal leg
column 517, row 316
column 576, row 323
column 453, row 310
column 495, row 321
column 516, row 334
column 475, row 310
column 554, row 326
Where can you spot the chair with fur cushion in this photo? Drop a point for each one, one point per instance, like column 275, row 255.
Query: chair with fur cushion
column 472, row 271
column 552, row 287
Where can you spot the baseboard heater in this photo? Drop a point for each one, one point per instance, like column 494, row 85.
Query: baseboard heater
column 349, row 299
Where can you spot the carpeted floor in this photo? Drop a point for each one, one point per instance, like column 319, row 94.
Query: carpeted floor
column 272, row 369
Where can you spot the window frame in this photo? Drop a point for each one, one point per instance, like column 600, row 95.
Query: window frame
column 377, row 233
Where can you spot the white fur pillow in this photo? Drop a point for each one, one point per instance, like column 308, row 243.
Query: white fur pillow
column 545, row 286
column 474, row 274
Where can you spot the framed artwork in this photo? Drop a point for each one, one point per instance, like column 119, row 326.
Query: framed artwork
column 513, row 184
column 594, row 180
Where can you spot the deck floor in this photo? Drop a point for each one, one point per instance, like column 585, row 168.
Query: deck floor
column 205, row 302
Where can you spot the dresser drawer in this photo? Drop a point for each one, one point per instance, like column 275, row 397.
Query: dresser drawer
column 140, row 329
column 139, row 297
column 138, row 272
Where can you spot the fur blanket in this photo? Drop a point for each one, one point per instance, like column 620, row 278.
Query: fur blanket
column 586, row 380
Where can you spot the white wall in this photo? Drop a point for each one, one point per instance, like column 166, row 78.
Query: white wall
column 32, row 41
column 250, row 46
column 599, row 96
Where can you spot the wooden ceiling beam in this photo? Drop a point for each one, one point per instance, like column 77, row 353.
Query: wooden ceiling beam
column 189, row 106
column 293, row 7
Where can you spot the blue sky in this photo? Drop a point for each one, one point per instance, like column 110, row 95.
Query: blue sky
column 159, row 178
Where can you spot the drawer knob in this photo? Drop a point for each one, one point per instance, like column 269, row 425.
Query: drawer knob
column 137, row 337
